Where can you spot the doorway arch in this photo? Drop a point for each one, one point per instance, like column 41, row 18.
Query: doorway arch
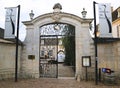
column 56, row 37
column 82, row 38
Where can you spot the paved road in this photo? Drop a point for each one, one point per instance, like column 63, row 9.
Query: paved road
column 50, row 83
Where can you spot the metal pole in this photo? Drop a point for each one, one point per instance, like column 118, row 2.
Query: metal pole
column 57, row 58
column 99, row 74
column 86, row 74
column 17, row 38
column 95, row 43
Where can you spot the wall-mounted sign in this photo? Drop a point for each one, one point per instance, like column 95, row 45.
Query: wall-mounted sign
column 86, row 61
column 31, row 57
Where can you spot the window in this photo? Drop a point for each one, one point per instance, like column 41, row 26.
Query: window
column 50, row 53
column 118, row 31
column 42, row 42
column 60, row 42
column 42, row 53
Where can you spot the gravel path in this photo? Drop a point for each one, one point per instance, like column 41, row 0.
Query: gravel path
column 50, row 83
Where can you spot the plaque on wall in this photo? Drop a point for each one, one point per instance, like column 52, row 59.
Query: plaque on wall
column 86, row 61
column 31, row 57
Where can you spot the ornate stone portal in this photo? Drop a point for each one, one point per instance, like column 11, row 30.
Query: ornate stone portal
column 30, row 53
column 83, row 40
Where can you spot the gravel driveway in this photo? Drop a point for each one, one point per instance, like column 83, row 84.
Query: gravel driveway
column 50, row 83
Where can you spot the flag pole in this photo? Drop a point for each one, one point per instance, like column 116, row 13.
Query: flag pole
column 17, row 39
column 95, row 43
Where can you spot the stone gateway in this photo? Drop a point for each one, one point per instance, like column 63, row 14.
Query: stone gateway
column 83, row 40
column 42, row 53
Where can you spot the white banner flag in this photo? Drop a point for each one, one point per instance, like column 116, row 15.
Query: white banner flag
column 105, row 20
column 10, row 22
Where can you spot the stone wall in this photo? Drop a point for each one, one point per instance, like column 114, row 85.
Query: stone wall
column 30, row 67
column 7, row 60
column 109, row 57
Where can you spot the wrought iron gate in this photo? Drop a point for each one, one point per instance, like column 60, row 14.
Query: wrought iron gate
column 48, row 56
column 48, row 50
column 51, row 37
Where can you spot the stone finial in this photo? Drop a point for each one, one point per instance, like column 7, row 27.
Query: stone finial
column 57, row 7
column 84, row 13
column 31, row 14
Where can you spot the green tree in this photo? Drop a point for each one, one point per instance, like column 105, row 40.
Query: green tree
column 69, row 45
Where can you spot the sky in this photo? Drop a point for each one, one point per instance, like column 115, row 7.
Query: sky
column 40, row 7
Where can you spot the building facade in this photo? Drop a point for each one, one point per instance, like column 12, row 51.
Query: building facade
column 116, row 23
column 83, row 40
column 36, row 46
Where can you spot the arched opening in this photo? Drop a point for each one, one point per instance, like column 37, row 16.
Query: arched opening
column 57, row 50
column 42, row 30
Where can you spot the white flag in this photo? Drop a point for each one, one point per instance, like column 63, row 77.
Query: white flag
column 10, row 22
column 105, row 20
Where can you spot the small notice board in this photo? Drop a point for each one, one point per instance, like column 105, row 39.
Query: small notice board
column 86, row 61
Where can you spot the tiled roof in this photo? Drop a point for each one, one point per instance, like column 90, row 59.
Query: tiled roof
column 2, row 40
column 107, row 40
column 6, row 41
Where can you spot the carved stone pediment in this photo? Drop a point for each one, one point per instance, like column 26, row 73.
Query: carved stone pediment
column 56, row 13
column 56, row 16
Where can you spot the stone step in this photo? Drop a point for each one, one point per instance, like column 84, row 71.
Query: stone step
column 65, row 71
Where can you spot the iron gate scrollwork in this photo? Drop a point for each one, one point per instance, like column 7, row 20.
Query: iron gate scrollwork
column 48, row 49
column 50, row 36
column 48, row 59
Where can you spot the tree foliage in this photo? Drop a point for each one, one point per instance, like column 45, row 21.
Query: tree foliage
column 69, row 45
